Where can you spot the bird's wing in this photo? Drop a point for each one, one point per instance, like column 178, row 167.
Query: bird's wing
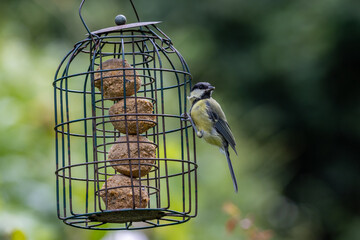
column 223, row 128
column 220, row 124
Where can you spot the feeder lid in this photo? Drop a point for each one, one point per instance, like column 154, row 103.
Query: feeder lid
column 125, row 26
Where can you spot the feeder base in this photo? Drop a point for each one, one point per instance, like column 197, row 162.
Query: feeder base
column 126, row 216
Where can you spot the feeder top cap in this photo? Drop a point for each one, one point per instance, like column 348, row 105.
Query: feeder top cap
column 120, row 19
column 124, row 26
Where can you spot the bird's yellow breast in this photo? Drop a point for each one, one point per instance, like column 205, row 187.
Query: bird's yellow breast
column 203, row 123
column 200, row 116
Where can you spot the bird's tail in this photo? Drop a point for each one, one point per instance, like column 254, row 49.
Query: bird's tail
column 231, row 168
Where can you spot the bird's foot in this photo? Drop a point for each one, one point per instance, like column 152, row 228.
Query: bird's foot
column 184, row 117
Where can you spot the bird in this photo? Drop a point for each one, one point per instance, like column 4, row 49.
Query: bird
column 209, row 122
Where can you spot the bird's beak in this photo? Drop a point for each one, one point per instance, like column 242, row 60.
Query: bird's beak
column 211, row 88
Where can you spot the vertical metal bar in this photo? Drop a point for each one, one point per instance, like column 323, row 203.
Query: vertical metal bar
column 156, row 129
column 57, row 108
column 136, row 115
column 57, row 149
column 185, row 69
column 68, row 142
column 86, row 145
column 146, row 65
column 180, row 112
column 195, row 174
column 94, row 133
column 63, row 147
column 114, row 50
column 66, row 73
column 126, row 121
column 163, row 126
column 99, row 52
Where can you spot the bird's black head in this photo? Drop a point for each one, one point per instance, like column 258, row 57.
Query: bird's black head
column 201, row 90
column 205, row 86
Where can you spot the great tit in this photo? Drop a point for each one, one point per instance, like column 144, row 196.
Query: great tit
column 209, row 121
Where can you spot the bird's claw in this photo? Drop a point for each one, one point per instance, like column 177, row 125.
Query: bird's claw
column 184, row 117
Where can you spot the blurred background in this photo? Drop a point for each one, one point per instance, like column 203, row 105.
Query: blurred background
column 287, row 76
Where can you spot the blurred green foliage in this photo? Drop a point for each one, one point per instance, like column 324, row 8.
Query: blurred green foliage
column 286, row 73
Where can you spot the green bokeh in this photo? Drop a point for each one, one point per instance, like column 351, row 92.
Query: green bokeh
column 286, row 74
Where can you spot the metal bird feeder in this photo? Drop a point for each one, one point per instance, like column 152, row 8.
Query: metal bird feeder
column 124, row 157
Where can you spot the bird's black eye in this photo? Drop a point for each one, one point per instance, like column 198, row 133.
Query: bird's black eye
column 200, row 86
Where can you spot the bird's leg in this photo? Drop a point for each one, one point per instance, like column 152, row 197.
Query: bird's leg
column 186, row 117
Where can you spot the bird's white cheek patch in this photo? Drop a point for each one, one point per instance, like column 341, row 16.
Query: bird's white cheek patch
column 196, row 93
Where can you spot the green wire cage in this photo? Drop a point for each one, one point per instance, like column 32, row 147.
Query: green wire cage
column 125, row 159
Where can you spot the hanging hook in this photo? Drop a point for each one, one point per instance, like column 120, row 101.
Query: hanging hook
column 136, row 14
column 87, row 28
column 82, row 20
